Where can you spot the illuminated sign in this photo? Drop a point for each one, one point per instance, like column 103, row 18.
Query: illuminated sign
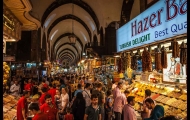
column 165, row 19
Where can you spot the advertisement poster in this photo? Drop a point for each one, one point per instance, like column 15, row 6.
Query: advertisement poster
column 175, row 72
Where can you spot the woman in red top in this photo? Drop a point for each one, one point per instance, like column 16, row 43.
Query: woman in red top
column 49, row 108
column 68, row 116
column 38, row 115
column 28, row 85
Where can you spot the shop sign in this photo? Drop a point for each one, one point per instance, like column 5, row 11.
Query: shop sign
column 165, row 19
column 9, row 58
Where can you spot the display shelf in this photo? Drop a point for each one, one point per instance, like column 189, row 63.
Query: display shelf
column 172, row 96
column 171, row 106
column 9, row 107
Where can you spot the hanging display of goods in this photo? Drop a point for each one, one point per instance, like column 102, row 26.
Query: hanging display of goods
column 6, row 70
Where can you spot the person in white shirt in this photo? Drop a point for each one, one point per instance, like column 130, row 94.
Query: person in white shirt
column 86, row 94
column 64, row 99
column 15, row 89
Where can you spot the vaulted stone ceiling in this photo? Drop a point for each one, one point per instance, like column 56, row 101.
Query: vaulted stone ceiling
column 88, row 16
column 56, row 17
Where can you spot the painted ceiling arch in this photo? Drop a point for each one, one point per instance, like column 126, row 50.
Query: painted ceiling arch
column 66, row 58
column 82, row 4
column 73, row 17
column 64, row 42
column 88, row 17
column 68, row 47
column 60, row 40
column 62, row 56
column 70, row 60
column 67, row 50
column 66, row 27
column 67, row 54
column 67, row 44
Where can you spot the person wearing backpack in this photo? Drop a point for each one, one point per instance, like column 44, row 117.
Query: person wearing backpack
column 86, row 94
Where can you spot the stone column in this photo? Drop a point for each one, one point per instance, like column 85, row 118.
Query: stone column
column 34, row 45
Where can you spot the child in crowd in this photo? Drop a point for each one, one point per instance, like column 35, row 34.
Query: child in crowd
column 68, row 115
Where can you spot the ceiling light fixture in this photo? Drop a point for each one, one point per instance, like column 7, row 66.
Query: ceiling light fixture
column 72, row 37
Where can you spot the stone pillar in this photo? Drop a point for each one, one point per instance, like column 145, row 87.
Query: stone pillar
column 34, row 45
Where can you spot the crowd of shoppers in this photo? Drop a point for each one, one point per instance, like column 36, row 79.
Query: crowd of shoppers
column 53, row 99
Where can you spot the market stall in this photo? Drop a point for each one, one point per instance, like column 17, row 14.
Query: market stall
column 9, row 107
column 155, row 55
column 173, row 97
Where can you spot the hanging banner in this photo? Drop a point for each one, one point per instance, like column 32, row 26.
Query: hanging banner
column 164, row 19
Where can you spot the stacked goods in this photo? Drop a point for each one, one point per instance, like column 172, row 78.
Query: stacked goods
column 174, row 94
column 9, row 107
column 160, row 98
column 182, row 115
column 165, row 100
column 172, row 111
column 166, row 107
column 176, row 103
column 6, row 70
column 183, row 97
column 182, row 106
column 173, row 101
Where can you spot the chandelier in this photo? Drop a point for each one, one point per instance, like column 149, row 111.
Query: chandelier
column 72, row 37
